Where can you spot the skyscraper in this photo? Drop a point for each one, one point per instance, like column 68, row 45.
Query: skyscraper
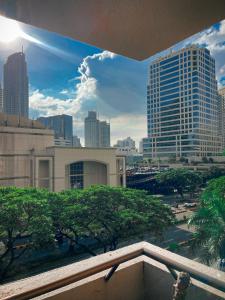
column 1, row 98
column 182, row 105
column 96, row 133
column 61, row 124
column 16, row 94
column 222, row 116
column 104, row 134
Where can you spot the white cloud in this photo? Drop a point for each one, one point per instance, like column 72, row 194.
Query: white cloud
column 87, row 86
column 85, row 89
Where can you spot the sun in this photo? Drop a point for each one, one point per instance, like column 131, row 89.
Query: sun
column 9, row 30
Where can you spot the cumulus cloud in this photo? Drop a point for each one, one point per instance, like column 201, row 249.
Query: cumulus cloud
column 214, row 40
column 85, row 90
column 87, row 85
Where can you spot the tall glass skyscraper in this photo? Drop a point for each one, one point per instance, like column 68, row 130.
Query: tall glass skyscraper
column 182, row 105
column 16, row 94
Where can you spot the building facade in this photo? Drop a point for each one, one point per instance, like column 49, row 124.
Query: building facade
column 96, row 133
column 1, row 98
column 16, row 93
column 62, row 126
column 182, row 105
column 76, row 141
column 28, row 157
column 222, row 117
column 104, row 134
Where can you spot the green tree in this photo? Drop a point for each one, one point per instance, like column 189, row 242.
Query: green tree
column 23, row 213
column 69, row 217
column 108, row 214
column 214, row 172
column 117, row 213
column 209, row 222
column 180, row 180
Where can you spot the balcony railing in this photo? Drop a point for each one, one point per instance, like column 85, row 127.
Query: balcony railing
column 209, row 282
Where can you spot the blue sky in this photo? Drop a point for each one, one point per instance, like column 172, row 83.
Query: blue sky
column 70, row 77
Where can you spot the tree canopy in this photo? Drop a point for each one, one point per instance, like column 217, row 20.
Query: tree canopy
column 180, row 180
column 23, row 212
column 108, row 214
column 101, row 215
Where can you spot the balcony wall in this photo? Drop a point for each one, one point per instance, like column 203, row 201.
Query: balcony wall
column 138, row 277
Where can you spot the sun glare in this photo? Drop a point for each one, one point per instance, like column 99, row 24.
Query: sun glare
column 9, row 30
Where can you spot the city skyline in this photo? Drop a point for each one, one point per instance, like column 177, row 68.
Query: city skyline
column 68, row 77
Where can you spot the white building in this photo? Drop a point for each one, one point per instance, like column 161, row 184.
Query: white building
column 96, row 133
column 182, row 105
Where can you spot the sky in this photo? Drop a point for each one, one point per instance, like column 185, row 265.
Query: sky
column 70, row 77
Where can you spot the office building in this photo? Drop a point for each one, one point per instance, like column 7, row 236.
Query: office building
column 76, row 141
column 1, row 98
column 28, row 157
column 16, row 94
column 96, row 133
column 104, row 134
column 182, row 105
column 62, row 126
column 222, row 116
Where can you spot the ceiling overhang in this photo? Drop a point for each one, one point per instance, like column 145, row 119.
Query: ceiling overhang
column 133, row 28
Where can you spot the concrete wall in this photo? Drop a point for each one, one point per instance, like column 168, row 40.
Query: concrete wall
column 95, row 173
column 65, row 156
column 16, row 146
column 158, row 283
column 126, row 283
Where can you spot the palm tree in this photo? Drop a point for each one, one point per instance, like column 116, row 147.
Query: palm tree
column 209, row 222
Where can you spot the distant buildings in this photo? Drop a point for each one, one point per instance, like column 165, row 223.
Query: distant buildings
column 222, row 116
column 62, row 126
column 96, row 133
column 127, row 148
column 28, row 157
column 182, row 105
column 1, row 98
column 76, row 141
column 16, row 94
column 126, row 143
column 141, row 146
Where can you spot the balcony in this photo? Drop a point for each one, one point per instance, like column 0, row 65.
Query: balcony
column 139, row 271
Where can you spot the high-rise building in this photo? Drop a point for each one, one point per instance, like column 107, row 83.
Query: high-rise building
column 96, row 133
column 76, row 141
column 16, row 94
column 104, row 134
column 61, row 124
column 182, row 105
column 91, row 130
column 222, row 116
column 1, row 98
